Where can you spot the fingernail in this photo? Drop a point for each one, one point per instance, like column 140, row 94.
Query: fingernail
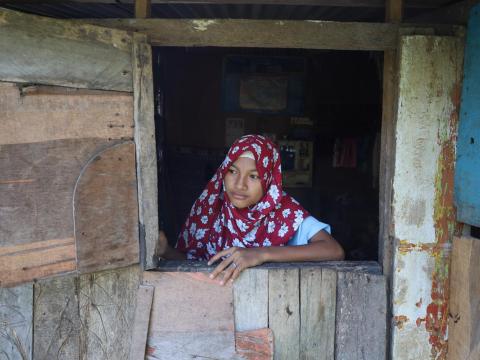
column 221, row 283
column 208, row 263
column 210, row 276
column 231, row 280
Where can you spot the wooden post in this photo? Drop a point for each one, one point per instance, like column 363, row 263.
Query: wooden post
column 143, row 9
column 393, row 13
column 146, row 150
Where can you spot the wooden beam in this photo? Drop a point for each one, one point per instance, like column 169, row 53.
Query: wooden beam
column 143, row 107
column 261, row 33
column 393, row 11
column 56, row 52
column 143, row 9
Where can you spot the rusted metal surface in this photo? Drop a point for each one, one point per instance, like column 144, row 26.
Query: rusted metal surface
column 424, row 213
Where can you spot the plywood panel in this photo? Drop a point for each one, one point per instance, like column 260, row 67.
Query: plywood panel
column 284, row 312
column 105, row 209
column 250, row 293
column 56, row 324
column 16, row 319
column 45, row 113
column 56, row 52
column 361, row 317
column 464, row 309
column 318, row 289
column 192, row 316
column 107, row 307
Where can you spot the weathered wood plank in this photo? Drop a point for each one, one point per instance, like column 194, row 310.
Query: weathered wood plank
column 143, row 307
column 254, row 344
column 192, row 316
column 250, row 294
column 105, row 210
column 361, row 317
column 56, row 324
column 143, row 9
column 107, row 307
column 370, row 267
column 261, row 33
column 317, row 313
column 46, row 113
column 464, row 308
column 146, row 150
column 16, row 319
column 423, row 209
column 56, row 52
column 284, row 312
column 47, row 135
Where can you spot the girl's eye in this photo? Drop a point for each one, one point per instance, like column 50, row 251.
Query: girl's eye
column 232, row 171
column 254, row 177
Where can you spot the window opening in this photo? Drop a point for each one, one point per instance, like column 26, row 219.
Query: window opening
column 329, row 138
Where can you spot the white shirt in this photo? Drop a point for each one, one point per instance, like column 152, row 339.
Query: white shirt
column 307, row 229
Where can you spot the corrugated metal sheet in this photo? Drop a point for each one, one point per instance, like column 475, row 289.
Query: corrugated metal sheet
column 219, row 11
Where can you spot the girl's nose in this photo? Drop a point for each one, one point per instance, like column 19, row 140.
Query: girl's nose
column 241, row 183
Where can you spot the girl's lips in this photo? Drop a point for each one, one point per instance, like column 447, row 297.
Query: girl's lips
column 239, row 196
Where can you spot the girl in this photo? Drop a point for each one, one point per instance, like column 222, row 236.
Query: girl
column 244, row 217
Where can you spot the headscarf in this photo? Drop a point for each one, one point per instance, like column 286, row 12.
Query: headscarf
column 215, row 224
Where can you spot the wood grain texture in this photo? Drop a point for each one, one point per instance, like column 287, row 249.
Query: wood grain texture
column 318, row 289
column 42, row 50
column 143, row 307
column 45, row 113
column 105, row 210
column 146, row 155
column 464, row 307
column 255, row 344
column 261, row 33
column 250, row 294
column 16, row 319
column 192, row 316
column 107, row 308
column 56, row 324
column 37, row 182
column 284, row 312
column 360, row 317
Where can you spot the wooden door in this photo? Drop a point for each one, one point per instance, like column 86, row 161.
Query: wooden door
column 75, row 103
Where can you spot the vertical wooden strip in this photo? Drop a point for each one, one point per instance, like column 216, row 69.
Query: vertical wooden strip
column 145, row 149
column 142, row 319
column 16, row 319
column 250, row 294
column 464, row 320
column 56, row 324
column 361, row 317
column 317, row 313
column 284, row 312
column 107, row 306
column 143, row 9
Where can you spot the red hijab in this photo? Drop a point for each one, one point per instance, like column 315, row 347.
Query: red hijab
column 215, row 224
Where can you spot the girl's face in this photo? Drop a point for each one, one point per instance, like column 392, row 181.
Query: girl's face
column 242, row 183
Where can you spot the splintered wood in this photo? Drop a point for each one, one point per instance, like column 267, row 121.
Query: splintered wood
column 49, row 137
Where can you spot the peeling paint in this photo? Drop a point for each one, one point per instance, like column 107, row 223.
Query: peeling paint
column 436, row 319
column 202, row 25
column 400, row 320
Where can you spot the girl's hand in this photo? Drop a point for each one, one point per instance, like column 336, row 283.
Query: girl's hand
column 237, row 260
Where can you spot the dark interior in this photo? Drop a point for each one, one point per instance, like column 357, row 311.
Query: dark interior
column 338, row 108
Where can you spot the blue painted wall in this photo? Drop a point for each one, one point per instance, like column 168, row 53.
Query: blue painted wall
column 467, row 173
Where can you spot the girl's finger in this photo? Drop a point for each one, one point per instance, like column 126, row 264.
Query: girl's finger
column 236, row 273
column 227, row 274
column 220, row 267
column 220, row 255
